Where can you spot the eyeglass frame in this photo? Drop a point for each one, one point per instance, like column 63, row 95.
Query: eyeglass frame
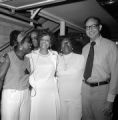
column 94, row 26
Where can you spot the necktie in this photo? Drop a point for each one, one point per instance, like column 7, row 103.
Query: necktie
column 89, row 62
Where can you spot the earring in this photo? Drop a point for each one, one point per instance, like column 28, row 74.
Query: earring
column 20, row 48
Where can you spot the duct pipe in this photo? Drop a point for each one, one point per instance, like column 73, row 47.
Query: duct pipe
column 62, row 28
column 18, row 16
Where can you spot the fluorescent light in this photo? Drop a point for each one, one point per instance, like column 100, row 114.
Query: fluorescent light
column 4, row 1
column 107, row 2
column 39, row 3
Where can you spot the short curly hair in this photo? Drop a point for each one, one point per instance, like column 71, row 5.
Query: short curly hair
column 61, row 39
column 13, row 37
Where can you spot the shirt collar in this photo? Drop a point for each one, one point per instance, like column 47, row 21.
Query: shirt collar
column 98, row 40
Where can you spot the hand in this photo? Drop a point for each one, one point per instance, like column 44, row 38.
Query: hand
column 108, row 109
column 6, row 58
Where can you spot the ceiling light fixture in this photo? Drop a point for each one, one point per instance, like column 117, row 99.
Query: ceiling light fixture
column 110, row 2
column 106, row 2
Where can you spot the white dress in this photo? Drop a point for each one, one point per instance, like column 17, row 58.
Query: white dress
column 69, row 72
column 44, row 95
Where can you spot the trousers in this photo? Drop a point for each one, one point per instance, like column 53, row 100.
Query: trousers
column 15, row 104
column 93, row 102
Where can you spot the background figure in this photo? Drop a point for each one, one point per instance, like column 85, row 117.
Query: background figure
column 44, row 94
column 15, row 103
column 69, row 75
column 34, row 38
column 99, row 89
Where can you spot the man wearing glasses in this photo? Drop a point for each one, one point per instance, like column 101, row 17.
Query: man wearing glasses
column 100, row 75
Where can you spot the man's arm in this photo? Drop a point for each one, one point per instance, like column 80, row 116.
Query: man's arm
column 113, row 85
column 113, row 65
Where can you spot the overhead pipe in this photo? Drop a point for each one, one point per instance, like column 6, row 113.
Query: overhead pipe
column 33, row 5
column 33, row 14
column 14, row 14
column 6, row 45
column 57, row 19
column 62, row 28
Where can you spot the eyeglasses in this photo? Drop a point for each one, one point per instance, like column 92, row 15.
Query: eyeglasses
column 94, row 26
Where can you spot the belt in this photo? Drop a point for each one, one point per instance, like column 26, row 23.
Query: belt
column 96, row 83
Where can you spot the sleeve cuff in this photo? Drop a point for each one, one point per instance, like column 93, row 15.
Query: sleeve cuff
column 110, row 98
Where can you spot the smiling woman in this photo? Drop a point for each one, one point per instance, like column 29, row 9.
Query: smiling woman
column 44, row 99
column 69, row 75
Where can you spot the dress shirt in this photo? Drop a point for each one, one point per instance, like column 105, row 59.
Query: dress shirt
column 105, row 65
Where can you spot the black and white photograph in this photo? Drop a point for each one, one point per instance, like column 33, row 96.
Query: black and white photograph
column 58, row 59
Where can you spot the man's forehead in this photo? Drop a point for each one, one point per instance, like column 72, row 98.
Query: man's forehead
column 92, row 21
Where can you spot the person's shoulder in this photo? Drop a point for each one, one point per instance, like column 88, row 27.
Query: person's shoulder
column 86, row 47
column 53, row 52
column 78, row 58
column 32, row 53
column 79, row 55
column 11, row 53
column 108, row 43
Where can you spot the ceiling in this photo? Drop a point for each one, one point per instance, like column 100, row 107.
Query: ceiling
column 50, row 13
column 111, row 6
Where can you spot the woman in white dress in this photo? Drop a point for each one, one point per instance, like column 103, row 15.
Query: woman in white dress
column 44, row 94
column 69, row 74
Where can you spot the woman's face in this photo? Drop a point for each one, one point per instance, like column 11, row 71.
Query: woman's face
column 34, row 37
column 27, row 45
column 66, row 46
column 45, row 42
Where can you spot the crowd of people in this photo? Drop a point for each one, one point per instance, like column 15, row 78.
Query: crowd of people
column 39, row 83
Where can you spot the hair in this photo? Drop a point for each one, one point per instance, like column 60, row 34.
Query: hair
column 13, row 37
column 61, row 39
column 34, row 30
column 93, row 17
column 24, row 37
